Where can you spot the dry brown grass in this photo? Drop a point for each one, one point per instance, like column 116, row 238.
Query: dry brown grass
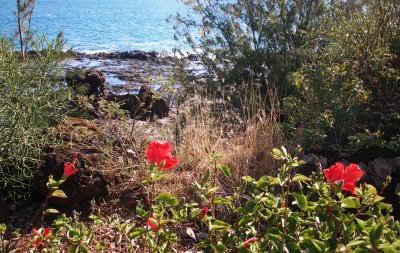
column 244, row 141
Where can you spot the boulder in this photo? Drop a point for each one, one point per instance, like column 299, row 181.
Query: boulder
column 380, row 168
column 80, row 187
column 87, row 83
column 159, row 108
column 96, row 81
column 129, row 102
column 143, row 105
column 312, row 163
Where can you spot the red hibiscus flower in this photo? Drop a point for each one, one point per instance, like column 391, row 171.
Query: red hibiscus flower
column 349, row 175
column 69, row 168
column 154, row 223
column 159, row 152
column 203, row 213
column 250, row 241
column 40, row 235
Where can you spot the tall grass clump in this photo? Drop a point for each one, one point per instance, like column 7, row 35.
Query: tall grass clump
column 31, row 99
column 244, row 137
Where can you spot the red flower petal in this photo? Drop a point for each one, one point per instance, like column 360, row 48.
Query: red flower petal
column 203, row 213
column 153, row 222
column 170, row 162
column 69, row 169
column 46, row 232
column 247, row 243
column 334, row 173
column 351, row 175
column 159, row 152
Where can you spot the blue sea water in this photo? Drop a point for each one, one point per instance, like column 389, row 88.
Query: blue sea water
column 101, row 25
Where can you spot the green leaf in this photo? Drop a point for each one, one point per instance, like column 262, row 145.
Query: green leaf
column 387, row 249
column 248, row 179
column 222, row 201
column 245, row 220
column 318, row 245
column 371, row 189
column 212, row 190
column 52, row 211
column 378, row 199
column 301, row 200
column 194, row 212
column 300, row 178
column 396, row 244
column 137, row 233
column 350, row 202
column 356, row 243
column 84, row 249
column 73, row 233
column 141, row 213
column 220, row 247
column 376, row 234
column 167, row 199
column 224, row 169
column 276, row 154
column 266, row 181
column 273, row 234
column 219, row 225
column 59, row 194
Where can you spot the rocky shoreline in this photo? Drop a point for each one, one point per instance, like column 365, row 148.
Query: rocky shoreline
column 126, row 72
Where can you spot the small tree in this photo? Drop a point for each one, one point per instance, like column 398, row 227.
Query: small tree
column 24, row 15
column 250, row 41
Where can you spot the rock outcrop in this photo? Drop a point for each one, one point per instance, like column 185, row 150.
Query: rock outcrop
column 144, row 105
column 87, row 83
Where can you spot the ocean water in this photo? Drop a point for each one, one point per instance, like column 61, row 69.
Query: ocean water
column 101, row 25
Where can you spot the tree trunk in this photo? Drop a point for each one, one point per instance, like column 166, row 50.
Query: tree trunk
column 20, row 28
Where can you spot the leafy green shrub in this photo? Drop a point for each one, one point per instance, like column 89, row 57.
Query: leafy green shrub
column 288, row 212
column 250, row 41
column 353, row 77
column 31, row 100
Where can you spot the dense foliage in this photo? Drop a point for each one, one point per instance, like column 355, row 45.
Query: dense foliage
column 330, row 62
column 250, row 42
column 352, row 76
column 31, row 99
column 286, row 213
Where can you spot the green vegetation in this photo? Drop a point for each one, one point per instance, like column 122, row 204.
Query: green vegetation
column 251, row 42
column 286, row 213
column 323, row 74
column 352, row 76
column 329, row 61
column 31, row 99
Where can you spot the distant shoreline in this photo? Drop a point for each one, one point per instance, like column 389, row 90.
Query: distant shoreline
column 131, row 55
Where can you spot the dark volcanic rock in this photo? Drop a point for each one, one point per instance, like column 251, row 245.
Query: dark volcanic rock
column 312, row 163
column 80, row 187
column 144, row 105
column 159, row 107
column 380, row 168
column 96, row 80
column 87, row 83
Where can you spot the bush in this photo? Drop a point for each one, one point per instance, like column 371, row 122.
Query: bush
column 31, row 99
column 288, row 212
column 251, row 41
column 352, row 76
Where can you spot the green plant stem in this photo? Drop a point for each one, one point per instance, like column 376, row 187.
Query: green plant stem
column 286, row 189
column 152, row 189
